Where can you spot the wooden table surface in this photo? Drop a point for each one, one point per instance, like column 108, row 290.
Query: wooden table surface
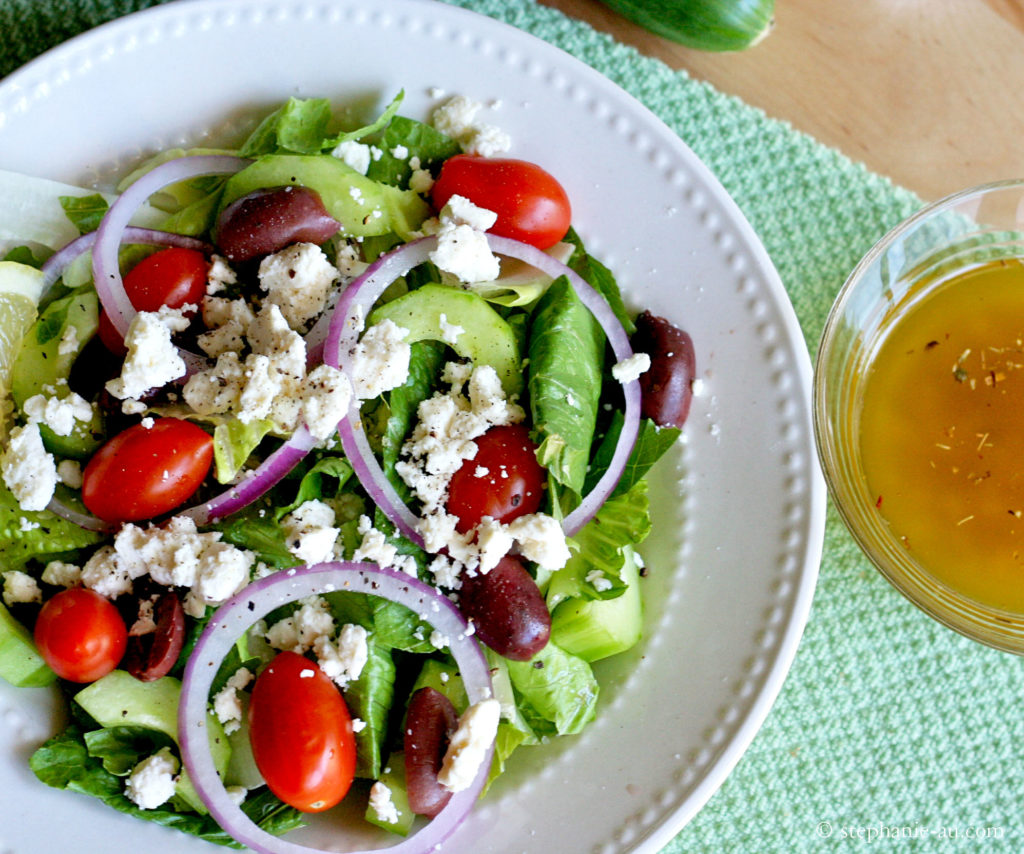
column 927, row 92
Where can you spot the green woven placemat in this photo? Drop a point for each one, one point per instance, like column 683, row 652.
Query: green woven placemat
column 890, row 731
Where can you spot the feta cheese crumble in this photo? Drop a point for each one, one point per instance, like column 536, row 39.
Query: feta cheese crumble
column 152, row 781
column 59, row 414
column 630, row 369
column 153, row 359
column 468, row 746
column 462, row 248
column 20, row 587
column 381, row 803
column 298, row 280
column 227, row 705
column 380, row 360
column 28, row 469
column 457, row 118
column 310, row 533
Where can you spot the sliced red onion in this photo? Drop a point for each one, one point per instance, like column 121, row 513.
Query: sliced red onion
column 237, row 614
column 57, row 263
column 347, row 323
column 256, row 482
column 109, row 236
column 84, row 520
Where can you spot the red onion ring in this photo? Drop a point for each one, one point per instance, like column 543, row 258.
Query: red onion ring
column 57, row 263
column 106, row 271
column 253, row 603
column 256, row 482
column 346, row 324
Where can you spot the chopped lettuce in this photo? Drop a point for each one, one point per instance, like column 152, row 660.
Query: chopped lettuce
column 622, row 522
column 557, row 690
column 566, row 353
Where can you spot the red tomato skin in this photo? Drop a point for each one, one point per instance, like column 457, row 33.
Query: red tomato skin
column 173, row 277
column 531, row 205
column 144, row 472
column 80, row 634
column 512, row 487
column 301, row 734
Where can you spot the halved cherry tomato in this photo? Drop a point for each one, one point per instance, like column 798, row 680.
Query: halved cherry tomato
column 301, row 734
column 531, row 205
column 80, row 634
column 503, row 481
column 145, row 471
column 173, row 277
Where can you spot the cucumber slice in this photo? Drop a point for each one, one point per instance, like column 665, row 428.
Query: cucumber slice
column 20, row 664
column 393, row 777
column 486, row 338
column 597, row 628
column 119, row 699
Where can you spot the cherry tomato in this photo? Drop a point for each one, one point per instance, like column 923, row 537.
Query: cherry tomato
column 531, row 205
column 80, row 634
column 145, row 471
column 503, row 481
column 301, row 734
column 173, row 277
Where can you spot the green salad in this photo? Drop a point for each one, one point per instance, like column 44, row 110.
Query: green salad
column 280, row 389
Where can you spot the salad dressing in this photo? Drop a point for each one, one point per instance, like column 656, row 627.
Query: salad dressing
column 942, row 433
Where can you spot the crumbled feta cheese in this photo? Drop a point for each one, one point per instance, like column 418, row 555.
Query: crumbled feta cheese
column 220, row 275
column 343, row 660
column 540, row 538
column 300, row 631
column 493, row 541
column 26, row 524
column 153, row 359
column 400, row 152
column 105, row 573
column 20, row 587
column 457, row 118
column 354, row 154
column 630, row 369
column 151, row 782
column 61, row 574
column 69, row 472
column 298, row 279
column 174, row 554
column 468, row 746
column 374, row 546
column 421, row 181
column 381, row 803
column 144, row 623
column 310, row 533
column 438, row 640
column 227, row 705
column 326, row 397
column 358, row 724
column 68, row 342
column 380, row 360
column 450, row 332
column 28, row 469
column 462, row 248
column 599, row 581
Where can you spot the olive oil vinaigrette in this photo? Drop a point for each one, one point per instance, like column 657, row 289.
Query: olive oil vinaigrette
column 942, row 433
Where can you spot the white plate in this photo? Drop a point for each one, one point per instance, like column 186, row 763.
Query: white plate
column 739, row 509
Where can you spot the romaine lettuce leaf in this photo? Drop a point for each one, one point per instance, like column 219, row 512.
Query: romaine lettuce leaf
column 566, row 353
column 65, row 762
column 623, row 521
column 651, row 444
column 25, row 535
column 557, row 688
column 369, row 698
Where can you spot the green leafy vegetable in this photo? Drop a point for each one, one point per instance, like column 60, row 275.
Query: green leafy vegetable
column 651, row 444
column 233, row 442
column 599, row 277
column 566, row 353
column 558, row 690
column 622, row 522
column 419, row 140
column 369, row 698
column 85, row 212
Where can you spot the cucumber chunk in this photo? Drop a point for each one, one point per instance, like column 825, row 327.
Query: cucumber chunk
column 486, row 338
column 20, row 663
column 393, row 776
column 119, row 699
column 597, row 628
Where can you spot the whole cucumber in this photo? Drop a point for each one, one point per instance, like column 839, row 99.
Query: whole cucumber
column 714, row 25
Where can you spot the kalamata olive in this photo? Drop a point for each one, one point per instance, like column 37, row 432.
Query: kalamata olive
column 151, row 655
column 666, row 389
column 429, row 723
column 267, row 220
column 507, row 609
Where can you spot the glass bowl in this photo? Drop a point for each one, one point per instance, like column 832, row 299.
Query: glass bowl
column 964, row 232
